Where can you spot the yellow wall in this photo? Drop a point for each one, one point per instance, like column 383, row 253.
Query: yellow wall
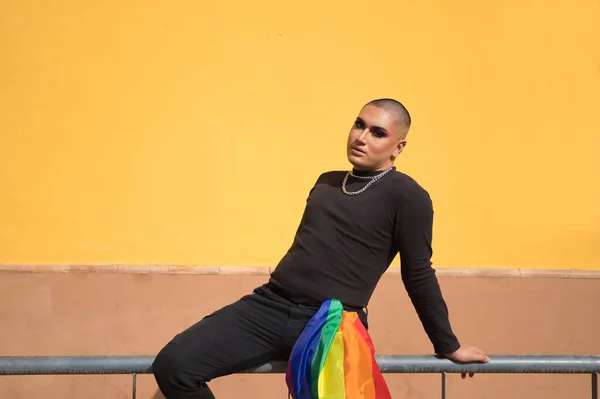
column 189, row 132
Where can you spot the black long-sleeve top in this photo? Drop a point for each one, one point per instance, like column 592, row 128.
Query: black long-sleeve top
column 344, row 244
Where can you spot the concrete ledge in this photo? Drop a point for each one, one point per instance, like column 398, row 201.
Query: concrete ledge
column 266, row 270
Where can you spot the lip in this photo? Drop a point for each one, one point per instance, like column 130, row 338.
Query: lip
column 357, row 151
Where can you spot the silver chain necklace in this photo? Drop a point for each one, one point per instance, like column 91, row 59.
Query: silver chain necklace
column 372, row 179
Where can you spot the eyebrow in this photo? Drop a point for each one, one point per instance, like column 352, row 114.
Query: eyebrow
column 382, row 129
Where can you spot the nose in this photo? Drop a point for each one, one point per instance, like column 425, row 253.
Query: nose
column 361, row 138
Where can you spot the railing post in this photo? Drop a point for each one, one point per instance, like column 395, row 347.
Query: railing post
column 133, row 393
column 595, row 386
column 443, row 385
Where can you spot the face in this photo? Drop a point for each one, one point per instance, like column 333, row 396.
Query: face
column 375, row 140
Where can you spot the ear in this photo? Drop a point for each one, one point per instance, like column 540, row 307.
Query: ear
column 399, row 147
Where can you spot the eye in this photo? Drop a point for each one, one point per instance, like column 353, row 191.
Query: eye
column 358, row 124
column 378, row 133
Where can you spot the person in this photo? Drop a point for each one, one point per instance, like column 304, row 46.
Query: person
column 354, row 224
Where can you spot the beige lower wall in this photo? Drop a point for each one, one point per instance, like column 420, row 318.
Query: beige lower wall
column 127, row 313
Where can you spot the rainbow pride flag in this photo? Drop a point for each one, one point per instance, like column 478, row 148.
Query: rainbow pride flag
column 334, row 358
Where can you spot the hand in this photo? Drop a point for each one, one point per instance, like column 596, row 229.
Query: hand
column 467, row 354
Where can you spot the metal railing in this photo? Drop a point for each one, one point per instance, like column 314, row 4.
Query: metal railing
column 134, row 365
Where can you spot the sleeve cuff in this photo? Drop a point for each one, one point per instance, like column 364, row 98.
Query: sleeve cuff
column 447, row 348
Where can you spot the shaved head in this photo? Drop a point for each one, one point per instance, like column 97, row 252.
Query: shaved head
column 378, row 135
column 396, row 109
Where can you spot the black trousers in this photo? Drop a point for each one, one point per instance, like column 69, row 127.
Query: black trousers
column 258, row 328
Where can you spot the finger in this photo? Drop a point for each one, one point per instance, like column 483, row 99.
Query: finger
column 482, row 356
column 471, row 375
column 463, row 375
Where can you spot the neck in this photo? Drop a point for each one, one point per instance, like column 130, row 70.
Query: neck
column 381, row 168
column 369, row 172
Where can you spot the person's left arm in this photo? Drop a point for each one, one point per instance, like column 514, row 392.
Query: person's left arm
column 414, row 229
